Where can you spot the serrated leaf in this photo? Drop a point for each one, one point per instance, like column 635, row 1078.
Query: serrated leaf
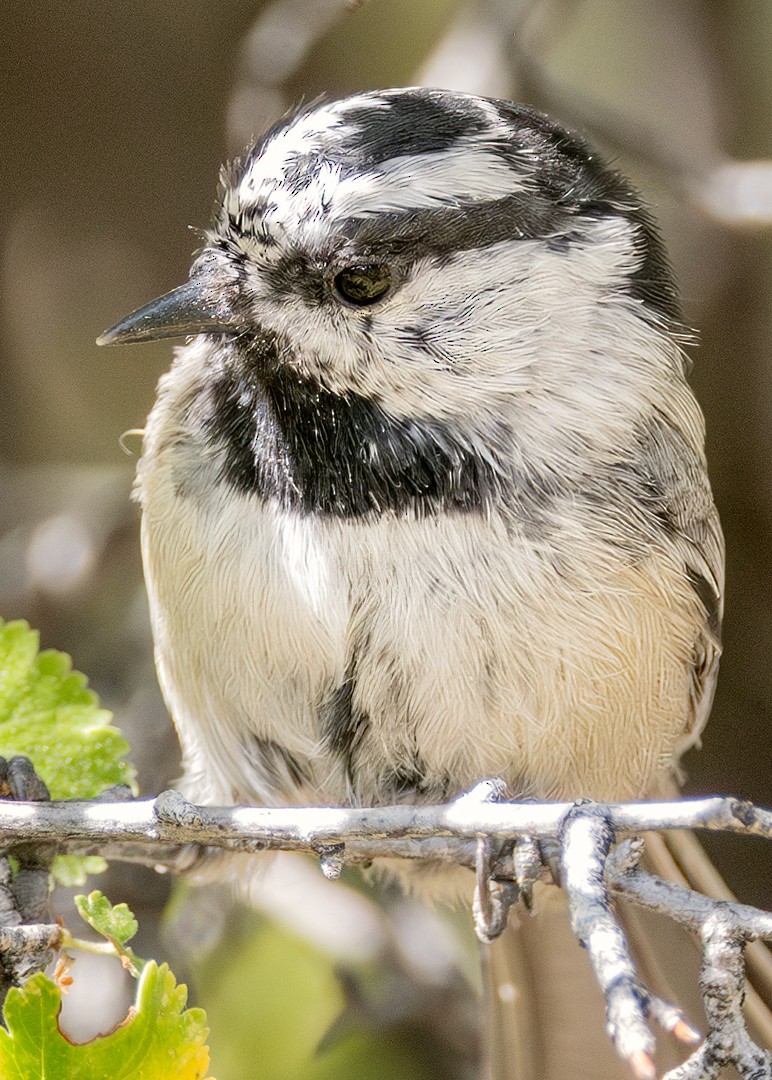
column 115, row 922
column 48, row 713
column 159, row 1040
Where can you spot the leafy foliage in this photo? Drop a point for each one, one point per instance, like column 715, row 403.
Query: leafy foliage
column 116, row 923
column 48, row 713
column 159, row 1039
column 74, row 870
column 113, row 921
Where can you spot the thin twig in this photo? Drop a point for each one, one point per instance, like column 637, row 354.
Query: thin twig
column 724, row 929
column 74, row 826
column 500, row 840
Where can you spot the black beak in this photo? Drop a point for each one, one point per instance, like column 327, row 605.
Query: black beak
column 200, row 306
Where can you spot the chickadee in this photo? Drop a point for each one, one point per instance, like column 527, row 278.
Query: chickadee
column 424, row 495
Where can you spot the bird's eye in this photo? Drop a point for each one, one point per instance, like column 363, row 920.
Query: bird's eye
column 363, row 285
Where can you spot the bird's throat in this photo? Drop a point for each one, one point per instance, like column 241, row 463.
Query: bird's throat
column 287, row 438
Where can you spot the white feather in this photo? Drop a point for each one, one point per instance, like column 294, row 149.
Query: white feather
column 482, row 653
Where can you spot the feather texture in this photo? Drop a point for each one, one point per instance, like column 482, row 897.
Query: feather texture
column 463, row 531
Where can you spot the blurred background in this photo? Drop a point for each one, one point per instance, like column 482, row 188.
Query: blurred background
column 116, row 119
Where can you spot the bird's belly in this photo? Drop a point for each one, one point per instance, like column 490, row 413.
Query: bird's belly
column 309, row 659
column 479, row 656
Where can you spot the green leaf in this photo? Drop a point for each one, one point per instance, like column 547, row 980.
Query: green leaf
column 116, row 923
column 159, row 1039
column 74, row 870
column 48, row 713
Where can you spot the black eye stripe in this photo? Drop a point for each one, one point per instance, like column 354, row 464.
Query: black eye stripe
column 413, row 234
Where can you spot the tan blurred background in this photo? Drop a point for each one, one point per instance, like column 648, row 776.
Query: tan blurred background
column 115, row 120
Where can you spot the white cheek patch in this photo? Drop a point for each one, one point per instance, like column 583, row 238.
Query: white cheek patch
column 487, row 326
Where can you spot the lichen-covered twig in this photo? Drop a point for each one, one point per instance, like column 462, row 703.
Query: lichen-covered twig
column 510, row 845
column 27, row 936
column 724, row 930
column 447, row 831
column 587, row 842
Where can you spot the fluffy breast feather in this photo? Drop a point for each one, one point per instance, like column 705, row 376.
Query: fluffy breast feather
column 311, row 659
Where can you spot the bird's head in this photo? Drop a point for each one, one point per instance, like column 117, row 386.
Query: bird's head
column 431, row 250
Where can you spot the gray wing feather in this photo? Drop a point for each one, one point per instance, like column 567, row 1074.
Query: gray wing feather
column 692, row 522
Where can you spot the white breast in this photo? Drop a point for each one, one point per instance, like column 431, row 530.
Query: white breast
column 471, row 648
column 475, row 655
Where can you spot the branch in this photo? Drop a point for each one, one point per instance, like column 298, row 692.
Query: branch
column 724, row 929
column 27, row 940
column 510, row 845
column 445, row 830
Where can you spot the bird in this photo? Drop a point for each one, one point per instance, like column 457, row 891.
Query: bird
column 424, row 493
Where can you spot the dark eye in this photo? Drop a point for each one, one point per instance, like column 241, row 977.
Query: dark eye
column 363, row 285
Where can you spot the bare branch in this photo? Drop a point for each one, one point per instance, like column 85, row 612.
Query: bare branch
column 724, row 929
column 27, row 938
column 510, row 845
column 588, row 838
column 367, row 832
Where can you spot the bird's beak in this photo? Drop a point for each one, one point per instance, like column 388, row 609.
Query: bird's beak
column 203, row 305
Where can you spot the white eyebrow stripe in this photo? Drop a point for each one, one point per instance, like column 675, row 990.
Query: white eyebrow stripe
column 466, row 173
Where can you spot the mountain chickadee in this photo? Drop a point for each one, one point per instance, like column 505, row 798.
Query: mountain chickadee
column 424, row 496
